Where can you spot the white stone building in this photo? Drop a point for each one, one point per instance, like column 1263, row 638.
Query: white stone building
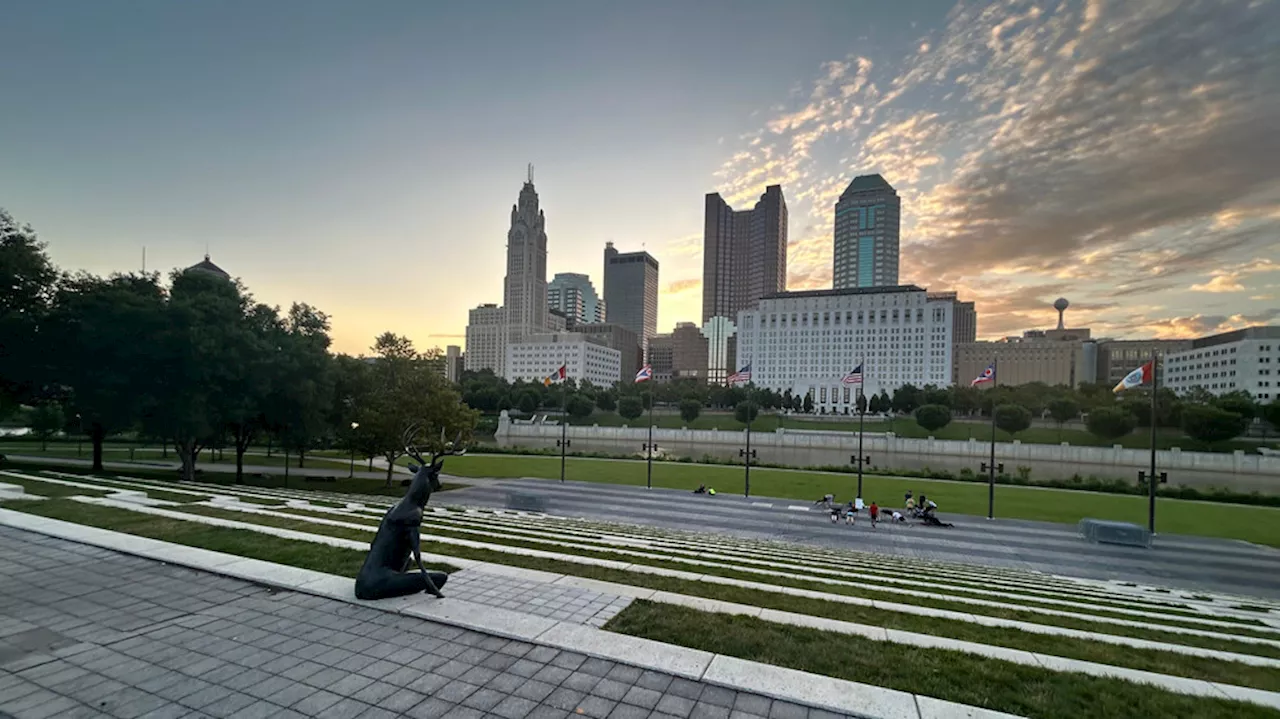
column 541, row 355
column 807, row 342
column 1247, row 359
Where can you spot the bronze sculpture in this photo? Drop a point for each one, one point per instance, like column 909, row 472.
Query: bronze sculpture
column 385, row 571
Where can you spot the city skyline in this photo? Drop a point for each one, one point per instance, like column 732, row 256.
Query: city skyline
column 370, row 184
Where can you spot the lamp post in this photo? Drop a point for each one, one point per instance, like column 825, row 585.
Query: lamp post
column 354, row 427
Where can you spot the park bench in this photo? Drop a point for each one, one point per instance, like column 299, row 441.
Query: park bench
column 1101, row 531
column 523, row 502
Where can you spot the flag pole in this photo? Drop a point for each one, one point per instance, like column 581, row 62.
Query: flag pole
column 1151, row 478
column 564, row 413
column 861, row 416
column 648, row 482
column 991, row 467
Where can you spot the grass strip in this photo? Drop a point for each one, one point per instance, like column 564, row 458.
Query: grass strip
column 953, row 676
column 241, row 542
column 1151, row 660
column 50, row 489
column 701, row 589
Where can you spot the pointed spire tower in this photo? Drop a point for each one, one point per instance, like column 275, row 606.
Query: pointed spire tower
column 524, row 292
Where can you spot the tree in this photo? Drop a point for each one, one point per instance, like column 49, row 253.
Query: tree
column 690, row 409
column 1063, row 410
column 607, row 400
column 579, row 406
column 630, row 407
column 933, row 394
column 746, row 411
column 906, row 398
column 1210, row 424
column 46, row 421
column 861, row 403
column 27, row 284
column 808, row 403
column 304, row 386
column 933, row 416
column 103, row 366
column 410, row 399
column 1239, row 401
column 528, row 402
column 964, row 400
column 797, row 403
column 1110, row 423
column 1271, row 413
column 1012, row 418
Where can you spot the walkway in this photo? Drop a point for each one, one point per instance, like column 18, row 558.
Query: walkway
column 87, row 632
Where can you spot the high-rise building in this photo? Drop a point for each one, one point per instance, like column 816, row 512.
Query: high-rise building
column 541, row 355
column 619, row 338
column 744, row 254
column 1117, row 358
column 486, row 339
column 575, row 297
column 807, row 342
column 453, row 363
column 524, row 291
column 964, row 317
column 866, row 234
column 631, row 291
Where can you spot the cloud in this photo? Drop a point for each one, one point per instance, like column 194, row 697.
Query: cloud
column 1115, row 153
column 684, row 285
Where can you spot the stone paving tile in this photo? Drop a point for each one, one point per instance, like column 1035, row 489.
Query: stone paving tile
column 165, row 642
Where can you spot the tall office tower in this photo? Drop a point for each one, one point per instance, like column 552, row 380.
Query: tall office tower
column 524, row 291
column 631, row 291
column 575, row 297
column 486, row 339
column 744, row 254
column 866, row 235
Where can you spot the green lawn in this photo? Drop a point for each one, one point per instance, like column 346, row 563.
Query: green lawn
column 907, row 427
column 1231, row 521
column 945, row 674
column 122, row 453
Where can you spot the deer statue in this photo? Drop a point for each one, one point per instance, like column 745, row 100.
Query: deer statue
column 385, row 572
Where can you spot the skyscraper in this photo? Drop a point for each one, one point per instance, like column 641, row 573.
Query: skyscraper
column 631, row 291
column 574, row 296
column 524, row 291
column 744, row 254
column 866, row 234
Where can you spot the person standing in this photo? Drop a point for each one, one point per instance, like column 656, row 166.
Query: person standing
column 874, row 512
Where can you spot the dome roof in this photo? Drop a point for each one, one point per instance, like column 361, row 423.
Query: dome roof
column 207, row 266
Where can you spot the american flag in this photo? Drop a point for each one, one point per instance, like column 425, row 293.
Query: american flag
column 854, row 377
column 988, row 375
column 742, row 375
column 646, row 372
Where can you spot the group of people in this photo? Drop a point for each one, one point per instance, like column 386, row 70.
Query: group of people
column 925, row 510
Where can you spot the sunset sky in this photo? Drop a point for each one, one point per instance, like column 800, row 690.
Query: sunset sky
column 364, row 157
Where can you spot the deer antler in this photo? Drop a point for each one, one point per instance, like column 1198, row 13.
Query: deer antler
column 410, row 444
column 451, row 449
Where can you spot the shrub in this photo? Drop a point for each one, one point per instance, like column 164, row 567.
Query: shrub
column 1110, row 423
column 690, row 409
column 1210, row 424
column 746, row 412
column 933, row 416
column 630, row 407
column 1012, row 418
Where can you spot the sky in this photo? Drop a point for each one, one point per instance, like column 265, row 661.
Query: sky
column 364, row 157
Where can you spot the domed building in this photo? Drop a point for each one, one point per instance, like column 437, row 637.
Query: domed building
column 209, row 267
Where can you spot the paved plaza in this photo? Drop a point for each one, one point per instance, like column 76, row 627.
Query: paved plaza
column 1193, row 563
column 87, row 632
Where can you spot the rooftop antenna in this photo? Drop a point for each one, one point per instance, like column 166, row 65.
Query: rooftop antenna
column 206, row 250
column 144, row 259
column 530, row 173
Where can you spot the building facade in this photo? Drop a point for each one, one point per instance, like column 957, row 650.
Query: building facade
column 524, row 289
column 486, row 339
column 806, row 342
column 1022, row 360
column 574, row 296
column 1247, row 359
column 541, row 355
column 1117, row 358
column 867, row 216
column 453, row 363
column 964, row 317
column 744, row 254
column 631, row 291
column 619, row 338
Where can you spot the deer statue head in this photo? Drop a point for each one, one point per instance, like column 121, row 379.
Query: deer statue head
column 426, row 473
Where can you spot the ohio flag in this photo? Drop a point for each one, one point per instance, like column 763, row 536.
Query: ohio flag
column 645, row 373
column 988, row 375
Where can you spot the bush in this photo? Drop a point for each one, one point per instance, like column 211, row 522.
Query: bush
column 1063, row 410
column 746, row 412
column 1271, row 413
column 933, row 416
column 528, row 402
column 690, row 409
column 579, row 406
column 1012, row 418
column 1110, row 423
column 630, row 407
column 1210, row 424
column 606, row 401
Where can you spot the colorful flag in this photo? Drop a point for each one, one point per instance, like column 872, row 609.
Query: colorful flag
column 854, row 377
column 557, row 375
column 1136, row 378
column 988, row 375
column 645, row 373
column 742, row 375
